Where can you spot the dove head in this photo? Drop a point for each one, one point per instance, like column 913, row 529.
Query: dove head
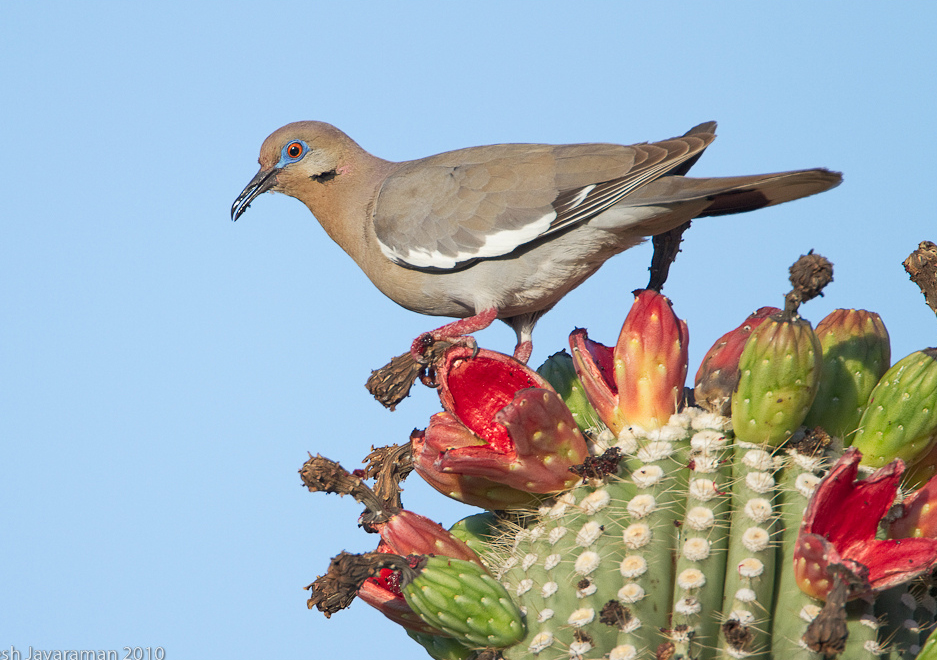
column 297, row 159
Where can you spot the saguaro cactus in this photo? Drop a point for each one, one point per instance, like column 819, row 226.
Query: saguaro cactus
column 625, row 523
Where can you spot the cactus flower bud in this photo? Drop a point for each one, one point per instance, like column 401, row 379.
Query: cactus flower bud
column 779, row 371
column 464, row 601
column 409, row 533
column 839, row 529
column 856, row 354
column 504, row 426
column 384, row 593
column 640, row 381
column 719, row 371
column 406, row 533
column 901, row 418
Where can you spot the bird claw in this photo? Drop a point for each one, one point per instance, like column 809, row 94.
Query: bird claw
column 469, row 342
column 428, row 377
column 420, row 346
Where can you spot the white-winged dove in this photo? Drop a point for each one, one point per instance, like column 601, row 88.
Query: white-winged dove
column 502, row 231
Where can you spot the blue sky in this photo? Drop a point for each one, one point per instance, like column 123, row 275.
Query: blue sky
column 164, row 371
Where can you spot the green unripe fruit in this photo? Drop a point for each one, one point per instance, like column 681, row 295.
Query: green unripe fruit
column 559, row 371
column 929, row 652
column 856, row 354
column 441, row 648
column 464, row 601
column 901, row 418
column 779, row 373
column 477, row 531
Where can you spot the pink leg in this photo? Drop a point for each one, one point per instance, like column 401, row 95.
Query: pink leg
column 523, row 350
column 455, row 329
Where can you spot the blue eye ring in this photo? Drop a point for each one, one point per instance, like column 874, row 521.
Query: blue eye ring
column 293, row 151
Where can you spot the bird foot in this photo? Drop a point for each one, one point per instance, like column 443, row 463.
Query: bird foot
column 425, row 348
column 420, row 345
column 455, row 332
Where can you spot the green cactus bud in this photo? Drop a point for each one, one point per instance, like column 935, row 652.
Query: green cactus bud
column 779, row 373
column 929, row 651
column 901, row 418
column 441, row 648
column 559, row 371
column 477, row 531
column 856, row 354
column 464, row 601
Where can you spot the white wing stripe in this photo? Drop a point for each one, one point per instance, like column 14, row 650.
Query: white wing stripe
column 495, row 245
column 577, row 200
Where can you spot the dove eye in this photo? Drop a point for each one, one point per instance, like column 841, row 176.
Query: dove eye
column 295, row 149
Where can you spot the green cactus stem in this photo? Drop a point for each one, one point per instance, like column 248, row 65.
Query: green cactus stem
column 660, row 536
column 749, row 587
column 897, row 609
column 929, row 651
column 559, row 567
column 794, row 610
column 477, row 531
column 908, row 614
column 703, row 541
column 441, row 648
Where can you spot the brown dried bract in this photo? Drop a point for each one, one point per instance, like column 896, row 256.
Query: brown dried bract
column 827, row 633
column 599, row 467
column 583, row 636
column 388, row 466
column 813, row 443
column 808, row 276
column 336, row 589
column 487, row 654
column 921, row 266
column 323, row 475
column 320, row 474
column 391, row 383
